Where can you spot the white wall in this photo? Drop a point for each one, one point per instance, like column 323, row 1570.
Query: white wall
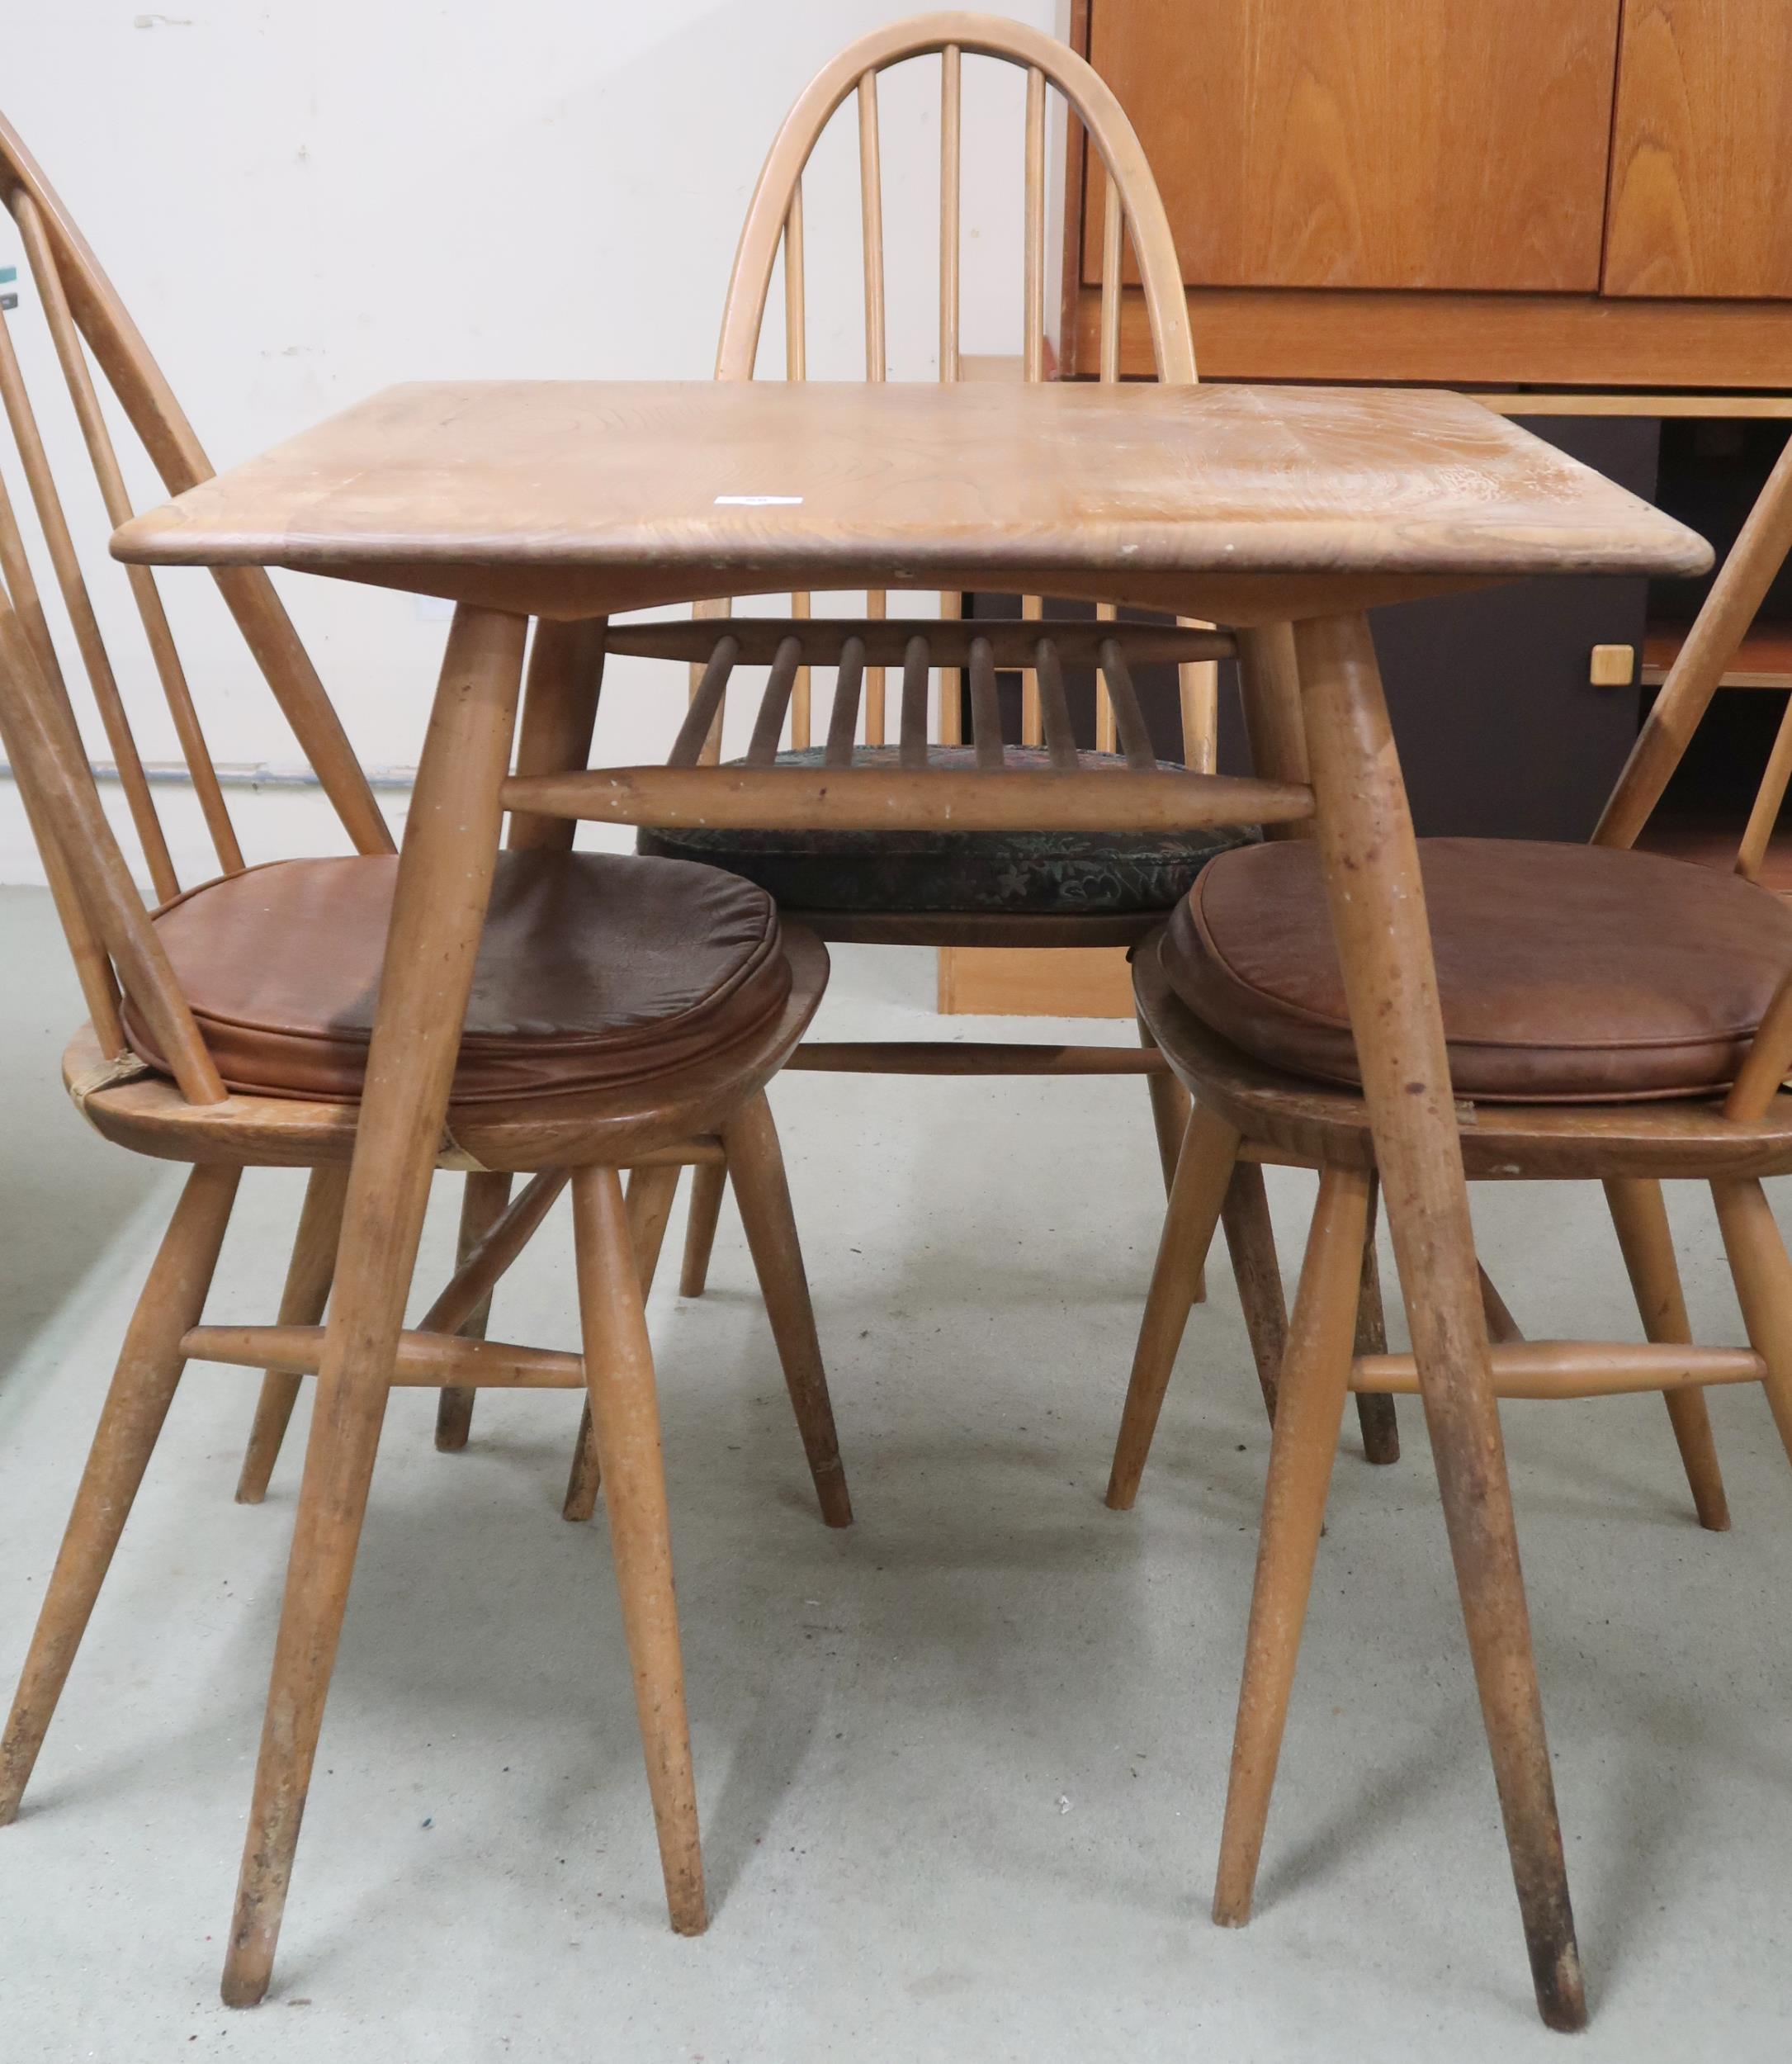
column 305, row 200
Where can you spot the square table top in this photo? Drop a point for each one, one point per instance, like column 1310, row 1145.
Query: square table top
column 625, row 492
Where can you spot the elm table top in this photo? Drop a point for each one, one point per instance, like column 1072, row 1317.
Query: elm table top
column 1240, row 504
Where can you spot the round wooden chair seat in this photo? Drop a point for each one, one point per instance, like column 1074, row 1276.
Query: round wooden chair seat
column 1055, row 873
column 595, row 971
column 1565, row 973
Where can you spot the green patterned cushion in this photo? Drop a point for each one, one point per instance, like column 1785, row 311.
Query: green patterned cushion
column 1059, row 873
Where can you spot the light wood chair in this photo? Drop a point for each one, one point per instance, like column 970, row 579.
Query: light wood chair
column 565, row 663
column 209, row 1045
column 1729, row 1019
column 850, row 884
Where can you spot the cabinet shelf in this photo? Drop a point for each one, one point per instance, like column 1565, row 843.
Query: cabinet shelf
column 1764, row 658
column 1711, row 840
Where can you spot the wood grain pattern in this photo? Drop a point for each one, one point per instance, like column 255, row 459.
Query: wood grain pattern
column 1035, row 981
column 611, row 478
column 1499, row 339
column 989, row 797
column 1385, row 144
column 1701, row 179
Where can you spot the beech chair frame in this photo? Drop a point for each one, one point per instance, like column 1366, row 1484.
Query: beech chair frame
column 710, row 1108
column 1246, row 1113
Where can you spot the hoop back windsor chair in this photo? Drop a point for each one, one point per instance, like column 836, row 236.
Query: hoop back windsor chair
column 862, row 883
column 146, row 1075
column 1733, row 945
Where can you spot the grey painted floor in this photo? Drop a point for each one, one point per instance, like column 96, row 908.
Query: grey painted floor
column 960, row 1769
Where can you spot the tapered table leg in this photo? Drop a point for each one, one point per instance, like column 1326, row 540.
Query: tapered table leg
column 1377, row 912
column 438, row 908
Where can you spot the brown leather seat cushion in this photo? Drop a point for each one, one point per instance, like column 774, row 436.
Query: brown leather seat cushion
column 1565, row 973
column 594, row 970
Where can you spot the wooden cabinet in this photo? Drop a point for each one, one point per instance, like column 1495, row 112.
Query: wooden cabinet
column 1702, row 150
column 1503, row 192
column 1370, row 143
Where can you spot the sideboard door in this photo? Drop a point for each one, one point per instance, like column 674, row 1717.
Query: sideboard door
column 1441, row 144
column 1701, row 159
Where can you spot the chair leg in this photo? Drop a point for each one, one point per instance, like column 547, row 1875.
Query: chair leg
column 648, row 1205
column 1375, row 1416
column 143, row 1387
column 1639, row 1215
column 1170, row 1121
column 1257, row 1271
column 757, row 1165
column 1204, row 1173
column 309, row 1275
column 707, row 1182
column 484, row 1202
column 1170, row 1111
column 619, row 1375
column 1309, row 1410
column 1502, row 1328
column 1763, row 1273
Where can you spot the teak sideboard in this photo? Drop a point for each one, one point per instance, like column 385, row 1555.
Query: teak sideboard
column 1588, row 193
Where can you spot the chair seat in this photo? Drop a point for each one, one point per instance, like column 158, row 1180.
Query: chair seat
column 1565, row 973
column 1055, row 873
column 594, row 970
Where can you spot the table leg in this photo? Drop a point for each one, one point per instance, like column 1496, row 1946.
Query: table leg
column 444, row 880
column 1378, row 911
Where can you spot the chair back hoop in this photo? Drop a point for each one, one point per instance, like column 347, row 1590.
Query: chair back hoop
column 1134, row 210
column 89, row 329
column 1711, row 644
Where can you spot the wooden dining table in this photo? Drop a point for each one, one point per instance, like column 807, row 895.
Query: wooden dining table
column 1254, row 509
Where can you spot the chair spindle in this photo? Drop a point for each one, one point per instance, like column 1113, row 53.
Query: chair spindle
column 101, row 452
column 914, row 681
column 1054, row 707
column 768, row 725
column 76, row 601
column 687, row 748
column 843, row 720
column 985, row 709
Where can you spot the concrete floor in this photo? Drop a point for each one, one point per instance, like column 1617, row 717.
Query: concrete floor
column 960, row 1769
